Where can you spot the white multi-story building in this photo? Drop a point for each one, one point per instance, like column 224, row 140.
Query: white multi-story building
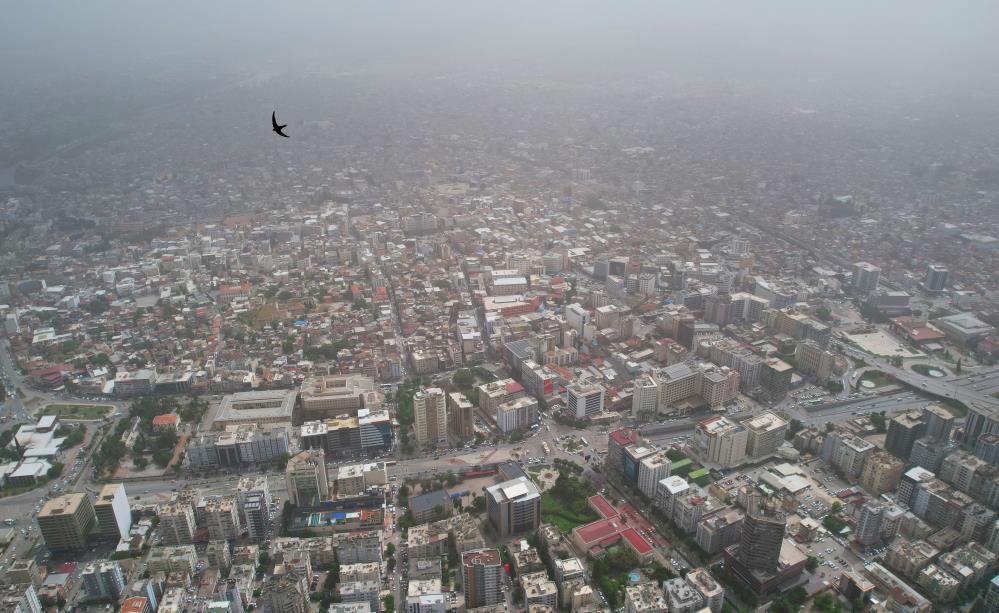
column 866, row 276
column 584, row 399
column 425, row 596
column 114, row 517
column 517, row 414
column 645, row 397
column 719, row 441
column 652, row 470
column 576, row 317
column 668, row 491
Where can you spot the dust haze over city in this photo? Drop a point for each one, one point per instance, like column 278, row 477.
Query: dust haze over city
column 651, row 307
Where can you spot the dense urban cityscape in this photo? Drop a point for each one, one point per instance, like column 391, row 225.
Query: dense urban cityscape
column 485, row 342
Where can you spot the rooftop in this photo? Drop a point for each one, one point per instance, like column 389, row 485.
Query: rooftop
column 66, row 504
column 521, row 488
column 270, row 404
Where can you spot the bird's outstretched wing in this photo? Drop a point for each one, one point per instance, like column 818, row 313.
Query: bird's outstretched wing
column 274, row 121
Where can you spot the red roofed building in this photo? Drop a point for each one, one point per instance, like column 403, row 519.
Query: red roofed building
column 917, row 332
column 167, row 421
column 514, row 388
column 50, row 377
column 230, row 293
column 136, row 604
column 616, row 442
column 602, row 506
column 602, row 534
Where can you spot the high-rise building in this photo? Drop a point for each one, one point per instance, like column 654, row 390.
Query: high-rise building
column 222, row 518
column 482, row 574
column 20, row 598
column 903, row 430
column 177, row 523
column 992, row 596
column 677, row 382
column 930, row 453
column 651, row 470
column 514, row 506
column 766, row 433
column 846, row 452
column 710, row 589
column 866, row 277
column 517, row 414
column 775, row 377
column 256, row 510
column 719, row 441
column 67, row 521
column 939, row 422
column 584, row 399
column 812, row 359
column 103, row 580
column 987, row 448
column 284, row 592
column 668, row 491
column 912, row 479
column 306, row 478
column 430, row 417
column 869, row 524
column 719, row 530
column 114, row 517
column 617, row 441
column 882, row 473
column 645, row 398
column 681, row 596
column 936, row 277
column 762, row 536
column 461, row 414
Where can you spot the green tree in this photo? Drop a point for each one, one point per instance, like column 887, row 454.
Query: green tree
column 463, row 378
column 793, row 428
column 812, row 563
column 389, row 602
column 880, row 421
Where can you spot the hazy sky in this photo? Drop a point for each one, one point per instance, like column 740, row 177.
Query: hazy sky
column 913, row 42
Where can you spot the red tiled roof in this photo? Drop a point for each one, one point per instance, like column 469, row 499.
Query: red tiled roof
column 135, row 604
column 602, row 506
column 513, row 387
column 624, row 436
column 600, row 530
column 637, row 541
column 167, row 419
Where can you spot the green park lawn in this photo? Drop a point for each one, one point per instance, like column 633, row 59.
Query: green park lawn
column 78, row 411
column 553, row 512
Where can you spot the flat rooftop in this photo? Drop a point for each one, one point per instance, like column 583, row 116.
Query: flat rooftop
column 63, row 505
column 262, row 405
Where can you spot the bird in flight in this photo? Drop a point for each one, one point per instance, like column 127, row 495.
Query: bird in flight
column 278, row 128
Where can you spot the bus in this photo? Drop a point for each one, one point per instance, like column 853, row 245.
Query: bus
column 583, row 440
column 548, row 450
